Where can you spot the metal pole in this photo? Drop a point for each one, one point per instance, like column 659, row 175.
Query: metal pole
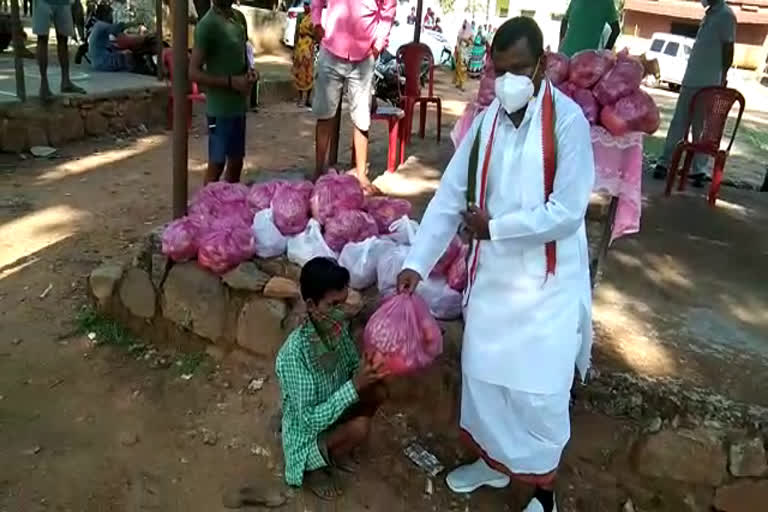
column 417, row 28
column 180, row 107
column 18, row 48
column 159, row 32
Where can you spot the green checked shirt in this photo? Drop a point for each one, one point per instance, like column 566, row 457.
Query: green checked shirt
column 316, row 385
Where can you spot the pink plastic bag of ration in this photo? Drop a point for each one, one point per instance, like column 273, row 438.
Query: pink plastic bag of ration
column 621, row 81
column 557, row 67
column 589, row 66
column 304, row 187
column 349, row 226
column 222, row 249
column 334, row 193
column 448, row 257
column 179, row 241
column 260, row 194
column 634, row 113
column 586, row 100
column 221, row 200
column 403, row 334
column 457, row 273
column 290, row 208
column 222, row 192
column 386, row 210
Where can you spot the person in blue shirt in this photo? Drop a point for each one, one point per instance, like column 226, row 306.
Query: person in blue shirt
column 110, row 50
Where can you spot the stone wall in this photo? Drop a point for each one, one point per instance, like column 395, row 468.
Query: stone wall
column 23, row 126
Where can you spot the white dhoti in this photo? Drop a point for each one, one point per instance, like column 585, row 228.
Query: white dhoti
column 524, row 433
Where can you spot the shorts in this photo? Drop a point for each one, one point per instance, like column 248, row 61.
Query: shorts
column 226, row 138
column 332, row 75
column 61, row 15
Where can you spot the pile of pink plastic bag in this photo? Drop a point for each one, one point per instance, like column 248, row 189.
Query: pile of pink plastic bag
column 607, row 88
column 228, row 224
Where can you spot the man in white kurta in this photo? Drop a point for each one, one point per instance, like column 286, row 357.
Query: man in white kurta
column 525, row 328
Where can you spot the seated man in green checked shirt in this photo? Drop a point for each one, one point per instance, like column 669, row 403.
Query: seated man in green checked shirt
column 329, row 392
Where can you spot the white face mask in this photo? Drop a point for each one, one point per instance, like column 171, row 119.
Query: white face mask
column 514, row 91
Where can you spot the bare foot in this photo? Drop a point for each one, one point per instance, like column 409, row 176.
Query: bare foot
column 323, row 484
column 348, row 464
column 70, row 88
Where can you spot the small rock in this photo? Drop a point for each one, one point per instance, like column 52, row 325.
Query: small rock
column 654, row 425
column 256, row 384
column 429, row 487
column 281, row 288
column 209, row 437
column 628, row 506
column 246, row 276
column 260, row 451
column 103, row 280
column 46, row 291
column 747, row 458
column 742, row 496
column 128, row 438
column 33, row 451
column 16, row 341
column 42, row 151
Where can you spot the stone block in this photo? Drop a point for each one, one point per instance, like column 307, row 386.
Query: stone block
column 279, row 267
column 103, row 280
column 747, row 458
column 742, row 496
column 259, row 326
column 37, row 133
column 95, row 123
column 116, row 124
column 281, row 288
column 195, row 299
column 13, row 136
column 246, row 276
column 65, row 125
column 692, row 456
column 136, row 112
column 137, row 293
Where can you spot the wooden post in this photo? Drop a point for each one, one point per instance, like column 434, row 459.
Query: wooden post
column 417, row 28
column 333, row 150
column 18, row 48
column 180, row 107
column 159, row 32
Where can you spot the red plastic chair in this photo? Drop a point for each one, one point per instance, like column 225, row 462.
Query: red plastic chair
column 393, row 116
column 715, row 104
column 194, row 96
column 412, row 56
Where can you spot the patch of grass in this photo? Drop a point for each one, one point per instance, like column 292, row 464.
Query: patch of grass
column 189, row 363
column 757, row 138
column 106, row 330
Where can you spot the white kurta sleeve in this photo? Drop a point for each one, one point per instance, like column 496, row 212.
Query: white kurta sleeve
column 563, row 213
column 443, row 215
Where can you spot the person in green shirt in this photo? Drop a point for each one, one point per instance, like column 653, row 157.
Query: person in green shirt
column 583, row 25
column 220, row 65
column 329, row 392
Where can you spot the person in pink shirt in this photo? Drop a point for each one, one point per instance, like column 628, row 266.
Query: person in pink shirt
column 352, row 35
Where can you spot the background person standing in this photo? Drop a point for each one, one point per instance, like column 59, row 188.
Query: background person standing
column 355, row 32
column 60, row 13
column 708, row 64
column 583, row 24
column 219, row 63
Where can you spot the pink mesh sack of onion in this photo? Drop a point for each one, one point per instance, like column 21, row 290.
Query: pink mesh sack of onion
column 222, row 249
column 219, row 200
column 634, row 113
column 557, row 68
column 589, row 66
column 260, row 195
column 334, row 193
column 622, row 80
column 386, row 210
column 349, row 226
column 586, row 100
column 403, row 334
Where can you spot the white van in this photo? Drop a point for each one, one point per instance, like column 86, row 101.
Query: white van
column 672, row 52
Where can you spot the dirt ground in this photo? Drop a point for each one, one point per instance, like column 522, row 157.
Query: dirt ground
column 93, row 428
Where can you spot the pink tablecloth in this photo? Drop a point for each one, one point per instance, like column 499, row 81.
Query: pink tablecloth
column 618, row 170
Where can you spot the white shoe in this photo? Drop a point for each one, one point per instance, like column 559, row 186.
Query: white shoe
column 536, row 506
column 470, row 477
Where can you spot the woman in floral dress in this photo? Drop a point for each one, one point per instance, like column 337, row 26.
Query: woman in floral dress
column 304, row 58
